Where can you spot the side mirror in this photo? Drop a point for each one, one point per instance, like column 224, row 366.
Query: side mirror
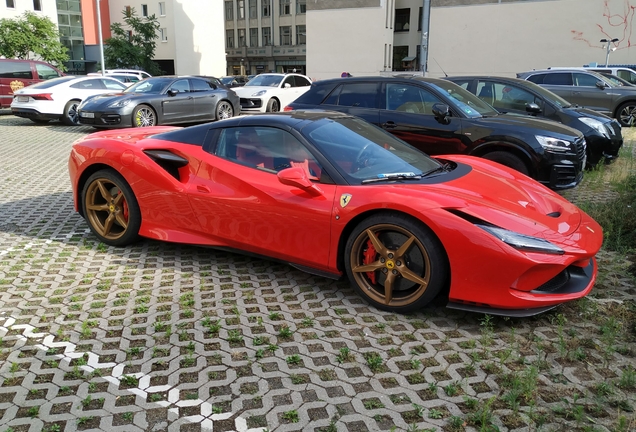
column 533, row 108
column 601, row 85
column 172, row 92
column 296, row 176
column 287, row 85
column 441, row 112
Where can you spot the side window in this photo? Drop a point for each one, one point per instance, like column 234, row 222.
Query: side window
column 410, row 99
column 486, row 92
column 332, row 99
column 113, row 85
column 265, row 148
column 627, row 76
column 510, row 97
column 302, row 81
column 462, row 84
column 45, row 72
column 289, row 80
column 199, row 85
column 93, row 84
column 182, row 86
column 585, row 80
column 362, row 95
column 537, row 79
column 20, row 70
column 560, row 78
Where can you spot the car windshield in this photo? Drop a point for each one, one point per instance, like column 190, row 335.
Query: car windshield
column 52, row 82
column 464, row 100
column 227, row 80
column 265, row 81
column 362, row 152
column 149, row 86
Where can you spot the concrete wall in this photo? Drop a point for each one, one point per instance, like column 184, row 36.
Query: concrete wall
column 357, row 40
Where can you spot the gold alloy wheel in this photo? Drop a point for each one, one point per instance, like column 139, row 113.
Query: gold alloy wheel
column 106, row 209
column 401, row 270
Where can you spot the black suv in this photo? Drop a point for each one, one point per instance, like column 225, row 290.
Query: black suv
column 440, row 117
column 511, row 95
column 589, row 90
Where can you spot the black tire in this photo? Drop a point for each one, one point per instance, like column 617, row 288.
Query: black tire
column 224, row 110
column 273, row 105
column 110, row 208
column 39, row 121
column 144, row 116
column 626, row 114
column 509, row 160
column 415, row 276
column 70, row 116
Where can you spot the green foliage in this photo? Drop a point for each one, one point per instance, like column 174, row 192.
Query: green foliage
column 136, row 49
column 31, row 33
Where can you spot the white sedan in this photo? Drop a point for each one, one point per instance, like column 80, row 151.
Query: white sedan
column 271, row 91
column 58, row 98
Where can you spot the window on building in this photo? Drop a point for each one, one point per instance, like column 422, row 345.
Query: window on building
column 285, row 7
column 253, row 9
column 267, row 36
column 241, row 38
column 402, row 19
column 163, row 32
column 240, row 11
column 285, row 35
column 229, row 11
column 162, row 8
column 37, row 5
column 10, row 4
column 144, row 10
column 301, row 6
column 254, row 37
column 229, row 38
column 128, row 10
column 419, row 21
column 267, row 7
column 301, row 35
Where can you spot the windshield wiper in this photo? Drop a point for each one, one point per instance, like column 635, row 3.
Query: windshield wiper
column 393, row 176
column 442, row 168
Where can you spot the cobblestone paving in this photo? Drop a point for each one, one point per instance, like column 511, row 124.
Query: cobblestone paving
column 160, row 337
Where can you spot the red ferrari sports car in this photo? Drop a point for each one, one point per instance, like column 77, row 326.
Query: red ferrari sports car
column 331, row 194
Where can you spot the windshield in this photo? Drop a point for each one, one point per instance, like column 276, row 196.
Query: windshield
column 548, row 95
column 464, row 100
column 265, row 81
column 149, row 86
column 227, row 80
column 361, row 151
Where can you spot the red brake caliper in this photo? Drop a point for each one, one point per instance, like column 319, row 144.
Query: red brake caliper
column 124, row 207
column 369, row 257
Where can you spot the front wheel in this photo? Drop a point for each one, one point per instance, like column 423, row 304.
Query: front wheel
column 626, row 114
column 509, row 160
column 395, row 262
column 110, row 208
column 272, row 106
column 224, row 110
column 70, row 116
column 144, row 116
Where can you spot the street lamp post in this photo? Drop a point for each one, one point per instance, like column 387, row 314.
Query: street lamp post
column 607, row 48
column 101, row 41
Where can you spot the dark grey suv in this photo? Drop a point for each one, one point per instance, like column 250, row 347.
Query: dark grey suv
column 589, row 90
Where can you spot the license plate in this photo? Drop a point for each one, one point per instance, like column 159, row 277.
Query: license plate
column 87, row 115
column 23, row 98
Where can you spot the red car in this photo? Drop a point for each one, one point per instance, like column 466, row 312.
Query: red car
column 331, row 194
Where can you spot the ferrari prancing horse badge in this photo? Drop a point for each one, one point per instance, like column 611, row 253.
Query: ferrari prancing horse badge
column 344, row 200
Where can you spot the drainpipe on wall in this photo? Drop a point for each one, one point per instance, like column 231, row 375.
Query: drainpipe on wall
column 426, row 22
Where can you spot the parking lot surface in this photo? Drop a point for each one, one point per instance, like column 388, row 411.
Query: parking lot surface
column 163, row 337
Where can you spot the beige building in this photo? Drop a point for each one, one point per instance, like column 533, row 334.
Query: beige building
column 191, row 34
column 14, row 8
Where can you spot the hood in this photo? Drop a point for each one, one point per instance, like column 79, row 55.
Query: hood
column 526, row 125
column 104, row 100
column 250, row 90
column 579, row 112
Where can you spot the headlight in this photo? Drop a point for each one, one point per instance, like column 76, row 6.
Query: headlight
column 119, row 103
column 260, row 93
column 597, row 125
column 522, row 242
column 553, row 144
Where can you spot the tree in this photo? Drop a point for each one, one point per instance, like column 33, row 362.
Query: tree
column 132, row 46
column 32, row 34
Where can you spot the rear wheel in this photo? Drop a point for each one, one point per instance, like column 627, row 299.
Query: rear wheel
column 144, row 116
column 70, row 116
column 509, row 160
column 273, row 106
column 224, row 110
column 110, row 208
column 395, row 262
column 626, row 114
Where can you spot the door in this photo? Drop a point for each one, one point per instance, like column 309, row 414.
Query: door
column 359, row 99
column 180, row 106
column 205, row 99
column 587, row 94
column 408, row 115
column 240, row 201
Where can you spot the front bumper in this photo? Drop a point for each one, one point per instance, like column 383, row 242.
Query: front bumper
column 600, row 146
column 252, row 104
column 111, row 119
column 563, row 170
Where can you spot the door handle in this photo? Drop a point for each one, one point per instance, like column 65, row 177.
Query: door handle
column 203, row 189
column 389, row 125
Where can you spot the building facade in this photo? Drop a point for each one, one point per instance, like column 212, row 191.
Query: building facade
column 265, row 36
column 15, row 8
